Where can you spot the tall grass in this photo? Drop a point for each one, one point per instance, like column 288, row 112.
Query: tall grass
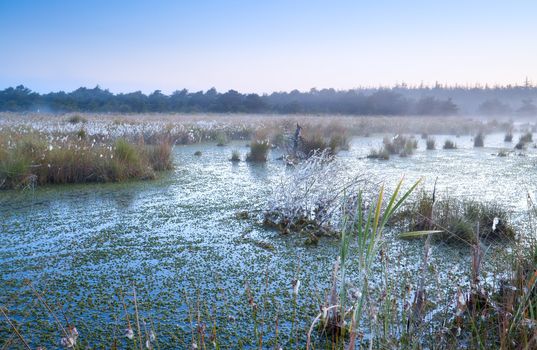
column 508, row 136
column 430, row 143
column 258, row 151
column 35, row 159
column 340, row 315
column 479, row 140
column 399, row 144
column 524, row 140
column 235, row 156
column 455, row 219
column 448, row 144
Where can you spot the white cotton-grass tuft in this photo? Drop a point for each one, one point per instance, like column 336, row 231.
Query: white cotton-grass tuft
column 129, row 333
column 296, row 286
column 495, row 223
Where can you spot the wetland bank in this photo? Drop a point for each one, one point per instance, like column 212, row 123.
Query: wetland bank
column 184, row 261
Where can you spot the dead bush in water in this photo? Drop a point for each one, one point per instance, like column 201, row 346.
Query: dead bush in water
column 309, row 198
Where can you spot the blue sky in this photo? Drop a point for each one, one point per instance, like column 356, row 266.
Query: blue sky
column 264, row 46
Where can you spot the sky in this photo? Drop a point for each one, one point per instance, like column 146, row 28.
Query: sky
column 264, row 46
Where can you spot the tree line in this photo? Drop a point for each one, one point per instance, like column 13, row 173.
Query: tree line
column 398, row 100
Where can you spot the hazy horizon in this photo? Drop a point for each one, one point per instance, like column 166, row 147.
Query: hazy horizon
column 264, row 47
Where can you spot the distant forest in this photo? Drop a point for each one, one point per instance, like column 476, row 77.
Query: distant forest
column 398, row 100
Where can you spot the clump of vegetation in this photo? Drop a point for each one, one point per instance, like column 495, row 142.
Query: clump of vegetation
column 449, row 145
column 339, row 142
column 381, row 154
column 75, row 119
column 159, row 156
column 503, row 153
column 315, row 143
column 524, row 140
column 409, row 148
column 457, row 219
column 303, row 144
column 221, row 139
column 258, row 151
column 430, row 143
column 508, row 136
column 31, row 159
column 235, row 156
column 479, row 140
column 197, row 153
column 400, row 144
column 311, row 143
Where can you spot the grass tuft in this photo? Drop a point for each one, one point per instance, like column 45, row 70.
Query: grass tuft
column 449, row 145
column 258, row 151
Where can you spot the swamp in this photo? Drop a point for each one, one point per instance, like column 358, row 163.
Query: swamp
column 205, row 231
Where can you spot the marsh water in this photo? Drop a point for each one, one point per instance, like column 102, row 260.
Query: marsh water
column 178, row 238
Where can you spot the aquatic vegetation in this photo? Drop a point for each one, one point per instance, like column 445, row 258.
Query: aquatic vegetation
column 458, row 220
column 160, row 156
column 209, row 276
column 381, row 153
column 430, row 143
column 479, row 140
column 400, row 144
column 448, row 144
column 235, row 156
column 36, row 159
column 258, row 151
column 503, row 153
column 313, row 142
column 221, row 139
column 524, row 140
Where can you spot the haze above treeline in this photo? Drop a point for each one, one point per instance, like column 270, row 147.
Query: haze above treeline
column 397, row 100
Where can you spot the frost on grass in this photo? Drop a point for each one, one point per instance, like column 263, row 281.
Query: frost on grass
column 313, row 196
